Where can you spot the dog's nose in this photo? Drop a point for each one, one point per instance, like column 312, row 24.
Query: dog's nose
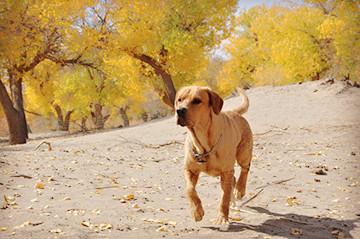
column 181, row 112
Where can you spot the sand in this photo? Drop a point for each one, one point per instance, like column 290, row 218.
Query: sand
column 128, row 183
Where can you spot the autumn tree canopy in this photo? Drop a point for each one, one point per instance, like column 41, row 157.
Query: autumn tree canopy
column 280, row 45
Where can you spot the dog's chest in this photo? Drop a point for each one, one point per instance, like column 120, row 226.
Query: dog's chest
column 214, row 164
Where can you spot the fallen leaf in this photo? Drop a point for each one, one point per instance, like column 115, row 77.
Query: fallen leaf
column 162, row 229
column 36, row 223
column 34, row 200
column 315, row 153
column 86, row 223
column 135, row 205
column 237, row 219
column 8, row 201
column 66, row 198
column 129, row 197
column 39, row 185
column 320, row 172
column 2, row 229
column 26, row 223
column 76, row 212
column 173, row 223
column 153, row 220
column 296, row 231
column 96, row 211
column 292, row 201
column 56, row 230
column 104, row 226
column 5, row 203
column 50, row 179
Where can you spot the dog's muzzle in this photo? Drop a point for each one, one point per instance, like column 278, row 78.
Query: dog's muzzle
column 181, row 116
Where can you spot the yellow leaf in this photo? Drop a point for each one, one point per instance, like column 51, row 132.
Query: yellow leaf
column 162, row 229
column 296, row 231
column 104, row 226
column 292, row 201
column 237, row 219
column 129, row 197
column 39, row 185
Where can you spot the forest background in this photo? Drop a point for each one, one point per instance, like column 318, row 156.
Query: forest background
column 82, row 65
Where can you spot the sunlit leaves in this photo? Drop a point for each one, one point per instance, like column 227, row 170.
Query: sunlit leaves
column 280, row 45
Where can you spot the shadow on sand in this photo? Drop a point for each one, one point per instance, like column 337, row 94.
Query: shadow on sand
column 284, row 224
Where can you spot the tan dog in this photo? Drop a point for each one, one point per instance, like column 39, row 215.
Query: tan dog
column 215, row 141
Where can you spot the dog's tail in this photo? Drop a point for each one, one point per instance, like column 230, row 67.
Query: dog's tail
column 243, row 108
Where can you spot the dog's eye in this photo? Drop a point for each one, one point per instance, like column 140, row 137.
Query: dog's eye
column 196, row 101
column 179, row 100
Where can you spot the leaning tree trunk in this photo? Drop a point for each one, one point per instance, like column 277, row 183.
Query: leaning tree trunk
column 124, row 116
column 97, row 117
column 14, row 111
column 63, row 122
column 170, row 91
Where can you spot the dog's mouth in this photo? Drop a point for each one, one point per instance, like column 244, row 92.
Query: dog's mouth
column 184, row 122
column 181, row 121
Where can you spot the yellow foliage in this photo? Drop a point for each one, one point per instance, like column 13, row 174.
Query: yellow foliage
column 279, row 45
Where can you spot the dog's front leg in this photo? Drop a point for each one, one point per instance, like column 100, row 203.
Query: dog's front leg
column 195, row 202
column 227, row 179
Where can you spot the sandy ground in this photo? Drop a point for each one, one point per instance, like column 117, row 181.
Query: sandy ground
column 128, row 183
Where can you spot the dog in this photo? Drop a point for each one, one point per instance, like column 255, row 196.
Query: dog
column 215, row 141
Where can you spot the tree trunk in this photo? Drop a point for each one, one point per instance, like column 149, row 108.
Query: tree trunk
column 83, row 124
column 97, row 116
column 15, row 119
column 67, row 119
column 170, row 91
column 18, row 102
column 63, row 123
column 316, row 77
column 124, row 115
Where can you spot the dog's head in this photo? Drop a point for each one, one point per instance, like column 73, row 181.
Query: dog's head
column 194, row 104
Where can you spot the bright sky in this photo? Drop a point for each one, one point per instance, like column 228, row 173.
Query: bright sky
column 246, row 4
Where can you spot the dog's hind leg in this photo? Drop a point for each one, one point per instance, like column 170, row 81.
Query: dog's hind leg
column 243, row 157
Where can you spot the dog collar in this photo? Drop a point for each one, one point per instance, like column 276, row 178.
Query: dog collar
column 202, row 157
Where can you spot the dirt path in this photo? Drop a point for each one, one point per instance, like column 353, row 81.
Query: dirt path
column 128, row 183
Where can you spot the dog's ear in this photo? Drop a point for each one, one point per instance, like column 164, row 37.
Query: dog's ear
column 215, row 101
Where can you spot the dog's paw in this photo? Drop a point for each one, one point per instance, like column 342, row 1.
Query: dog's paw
column 239, row 194
column 221, row 220
column 198, row 213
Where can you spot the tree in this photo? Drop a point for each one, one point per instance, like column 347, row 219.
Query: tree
column 341, row 29
column 173, row 41
column 281, row 45
column 36, row 35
